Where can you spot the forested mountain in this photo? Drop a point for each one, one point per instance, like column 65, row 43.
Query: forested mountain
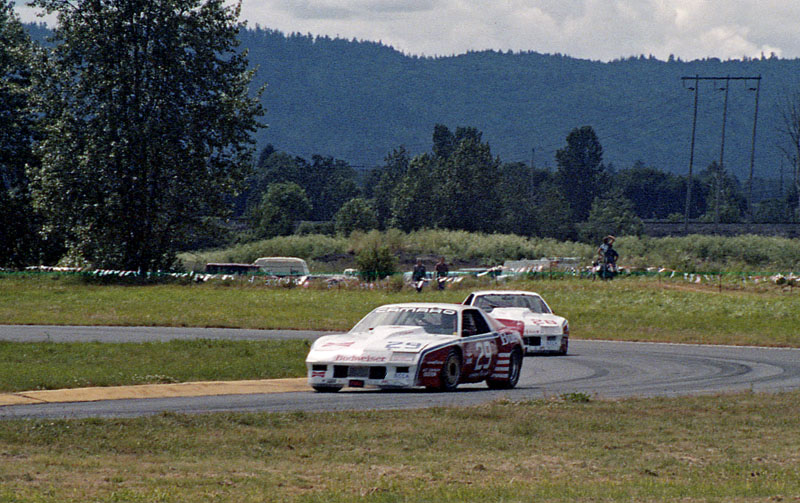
column 357, row 100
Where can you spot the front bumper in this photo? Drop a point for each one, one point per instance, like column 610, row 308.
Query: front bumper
column 359, row 375
column 542, row 343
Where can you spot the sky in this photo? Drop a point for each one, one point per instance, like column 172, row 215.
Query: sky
column 602, row 30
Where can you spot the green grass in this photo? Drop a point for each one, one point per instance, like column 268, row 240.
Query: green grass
column 51, row 365
column 632, row 309
column 643, row 309
column 741, row 447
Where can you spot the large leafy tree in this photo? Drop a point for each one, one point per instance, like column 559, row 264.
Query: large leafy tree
column 149, row 125
column 581, row 175
column 19, row 238
column 466, row 192
column 282, row 206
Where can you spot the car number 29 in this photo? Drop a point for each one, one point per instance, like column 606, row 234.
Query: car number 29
column 484, row 350
column 401, row 345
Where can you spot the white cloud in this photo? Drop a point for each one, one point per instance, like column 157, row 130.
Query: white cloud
column 594, row 29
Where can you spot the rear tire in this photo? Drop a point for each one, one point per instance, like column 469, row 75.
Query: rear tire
column 451, row 371
column 326, row 389
column 514, row 371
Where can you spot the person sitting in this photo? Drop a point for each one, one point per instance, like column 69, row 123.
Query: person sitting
column 418, row 275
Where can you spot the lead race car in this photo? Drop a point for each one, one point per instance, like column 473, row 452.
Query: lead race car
column 544, row 331
column 434, row 345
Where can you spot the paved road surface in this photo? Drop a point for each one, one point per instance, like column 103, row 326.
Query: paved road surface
column 602, row 369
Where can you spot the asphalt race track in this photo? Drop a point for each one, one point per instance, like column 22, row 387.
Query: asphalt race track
column 601, row 369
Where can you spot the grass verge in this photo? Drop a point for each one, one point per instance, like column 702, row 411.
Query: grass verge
column 642, row 309
column 740, row 447
column 50, row 365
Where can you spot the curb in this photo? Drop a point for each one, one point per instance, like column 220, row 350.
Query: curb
column 203, row 388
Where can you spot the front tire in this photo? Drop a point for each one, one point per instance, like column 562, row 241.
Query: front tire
column 564, row 346
column 319, row 388
column 451, row 371
column 514, row 371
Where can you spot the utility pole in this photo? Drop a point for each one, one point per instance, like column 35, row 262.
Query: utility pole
column 721, row 154
column 691, row 159
column 757, row 89
column 721, row 166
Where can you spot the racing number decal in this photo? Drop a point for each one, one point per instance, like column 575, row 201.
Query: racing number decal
column 484, row 350
column 401, row 345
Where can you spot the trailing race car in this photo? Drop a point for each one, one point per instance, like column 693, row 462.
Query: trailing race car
column 434, row 345
column 544, row 331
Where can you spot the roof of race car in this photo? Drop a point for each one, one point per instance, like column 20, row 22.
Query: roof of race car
column 505, row 292
column 428, row 305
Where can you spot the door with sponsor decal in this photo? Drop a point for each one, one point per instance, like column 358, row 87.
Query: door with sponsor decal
column 480, row 347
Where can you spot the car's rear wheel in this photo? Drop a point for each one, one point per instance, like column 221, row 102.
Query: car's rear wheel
column 451, row 371
column 514, row 371
column 326, row 389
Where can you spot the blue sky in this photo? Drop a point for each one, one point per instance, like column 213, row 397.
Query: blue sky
column 591, row 29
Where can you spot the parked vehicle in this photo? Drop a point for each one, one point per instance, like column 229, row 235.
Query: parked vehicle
column 282, row 266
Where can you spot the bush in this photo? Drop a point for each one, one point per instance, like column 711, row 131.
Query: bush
column 375, row 263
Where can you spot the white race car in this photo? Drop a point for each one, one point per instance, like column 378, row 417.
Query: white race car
column 433, row 345
column 544, row 331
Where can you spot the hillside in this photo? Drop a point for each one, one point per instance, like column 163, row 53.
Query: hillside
column 357, row 100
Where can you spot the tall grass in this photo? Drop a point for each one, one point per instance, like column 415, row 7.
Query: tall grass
column 688, row 254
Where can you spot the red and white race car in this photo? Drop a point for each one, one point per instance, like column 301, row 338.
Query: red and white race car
column 544, row 331
column 434, row 345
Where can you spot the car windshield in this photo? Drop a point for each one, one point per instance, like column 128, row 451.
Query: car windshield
column 532, row 302
column 433, row 320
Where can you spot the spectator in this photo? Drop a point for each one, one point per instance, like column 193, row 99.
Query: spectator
column 418, row 276
column 441, row 273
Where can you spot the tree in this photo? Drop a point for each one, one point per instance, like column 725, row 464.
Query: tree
column 790, row 127
column 610, row 214
column 412, row 206
column 552, row 214
column 149, row 125
column 580, row 175
column 722, row 190
column 464, row 186
column 20, row 243
column 386, row 181
column 281, row 207
column 654, row 193
column 355, row 215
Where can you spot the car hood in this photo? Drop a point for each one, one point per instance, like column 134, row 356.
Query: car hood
column 374, row 346
column 535, row 323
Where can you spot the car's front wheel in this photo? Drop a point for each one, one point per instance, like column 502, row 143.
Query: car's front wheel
column 451, row 371
column 564, row 345
column 326, row 389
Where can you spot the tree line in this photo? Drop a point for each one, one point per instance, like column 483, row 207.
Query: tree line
column 129, row 137
column 460, row 185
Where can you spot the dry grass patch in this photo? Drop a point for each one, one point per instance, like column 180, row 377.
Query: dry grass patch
column 740, row 447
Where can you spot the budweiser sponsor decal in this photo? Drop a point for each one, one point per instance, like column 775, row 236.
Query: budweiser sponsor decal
column 359, row 358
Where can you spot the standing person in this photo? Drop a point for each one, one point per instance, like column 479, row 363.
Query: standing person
column 418, row 276
column 607, row 256
column 441, row 273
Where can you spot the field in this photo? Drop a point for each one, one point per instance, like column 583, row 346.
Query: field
column 633, row 309
column 739, row 447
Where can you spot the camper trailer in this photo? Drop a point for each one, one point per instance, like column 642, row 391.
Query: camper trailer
column 282, row 266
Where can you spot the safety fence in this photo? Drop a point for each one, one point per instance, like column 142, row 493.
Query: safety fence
column 496, row 274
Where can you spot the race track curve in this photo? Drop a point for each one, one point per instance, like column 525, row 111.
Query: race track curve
column 600, row 369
